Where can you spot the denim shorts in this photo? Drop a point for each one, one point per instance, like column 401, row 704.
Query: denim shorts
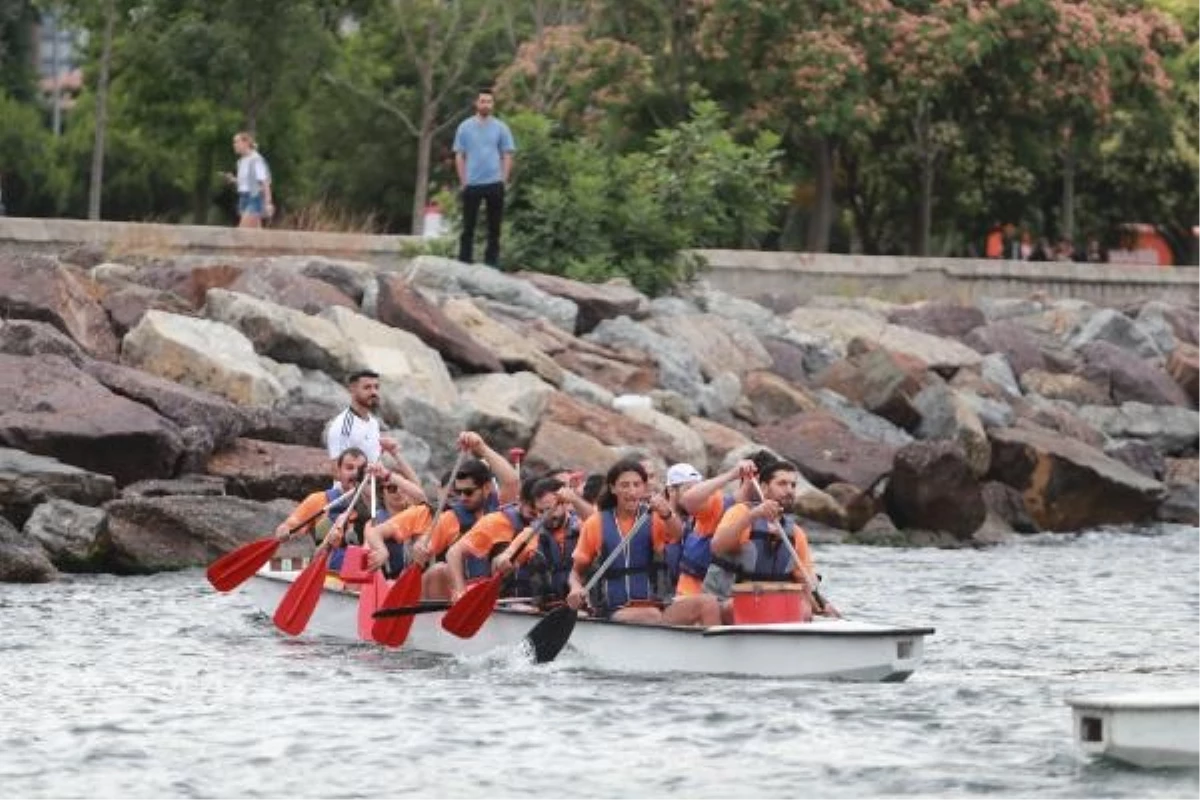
column 250, row 204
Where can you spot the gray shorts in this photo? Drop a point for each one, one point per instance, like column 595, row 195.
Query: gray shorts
column 719, row 581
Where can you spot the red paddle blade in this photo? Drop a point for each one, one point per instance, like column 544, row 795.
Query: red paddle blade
column 466, row 617
column 368, row 601
column 406, row 591
column 237, row 566
column 297, row 606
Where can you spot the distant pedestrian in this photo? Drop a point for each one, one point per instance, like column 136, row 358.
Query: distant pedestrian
column 483, row 148
column 253, row 181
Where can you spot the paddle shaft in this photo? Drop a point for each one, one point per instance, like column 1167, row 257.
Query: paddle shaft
column 299, row 526
column 817, row 601
column 345, row 515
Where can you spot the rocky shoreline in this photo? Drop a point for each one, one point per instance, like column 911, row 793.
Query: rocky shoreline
column 156, row 413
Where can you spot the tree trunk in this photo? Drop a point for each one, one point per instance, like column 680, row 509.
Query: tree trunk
column 424, row 153
column 110, row 21
column 925, row 223
column 1068, row 195
column 821, row 221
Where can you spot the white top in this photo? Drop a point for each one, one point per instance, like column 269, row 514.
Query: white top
column 348, row 429
column 1186, row 698
column 252, row 173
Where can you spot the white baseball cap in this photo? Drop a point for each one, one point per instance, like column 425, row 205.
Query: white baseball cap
column 682, row 473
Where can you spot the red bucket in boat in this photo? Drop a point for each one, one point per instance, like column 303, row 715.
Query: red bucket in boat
column 762, row 603
column 354, row 565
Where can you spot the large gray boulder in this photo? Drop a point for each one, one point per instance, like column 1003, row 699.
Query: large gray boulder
column 21, row 560
column 679, row 370
column 1124, row 376
column 455, row 277
column 285, row 334
column 28, row 480
column 202, row 354
column 28, row 337
column 860, row 421
column 154, row 534
column 1107, row 325
column 946, row 416
column 50, row 407
column 1169, row 429
column 505, row 408
column 67, row 533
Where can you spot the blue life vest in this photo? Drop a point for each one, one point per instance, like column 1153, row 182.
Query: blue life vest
column 547, row 573
column 467, row 519
column 696, row 549
column 629, row 577
column 476, row 567
column 772, row 558
column 353, row 534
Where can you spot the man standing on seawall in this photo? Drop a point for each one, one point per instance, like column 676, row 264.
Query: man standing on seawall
column 483, row 148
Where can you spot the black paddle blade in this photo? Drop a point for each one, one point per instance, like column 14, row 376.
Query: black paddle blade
column 550, row 635
column 424, row 607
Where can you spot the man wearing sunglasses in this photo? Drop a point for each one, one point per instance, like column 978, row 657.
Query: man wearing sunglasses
column 481, row 485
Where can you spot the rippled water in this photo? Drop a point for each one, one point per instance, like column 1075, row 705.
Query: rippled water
column 159, row 687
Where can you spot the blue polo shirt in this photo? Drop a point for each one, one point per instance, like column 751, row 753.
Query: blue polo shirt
column 483, row 142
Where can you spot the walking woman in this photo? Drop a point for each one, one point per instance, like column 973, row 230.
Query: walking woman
column 253, row 181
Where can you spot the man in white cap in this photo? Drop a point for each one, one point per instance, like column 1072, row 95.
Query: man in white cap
column 700, row 504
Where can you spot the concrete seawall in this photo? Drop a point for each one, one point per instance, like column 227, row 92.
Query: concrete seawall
column 779, row 280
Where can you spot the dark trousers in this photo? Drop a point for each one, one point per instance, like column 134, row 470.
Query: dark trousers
column 491, row 194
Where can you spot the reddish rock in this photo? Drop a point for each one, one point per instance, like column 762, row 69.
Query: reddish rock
column 886, row 385
column 1045, row 416
column 1181, row 471
column 37, row 288
column 933, row 488
column 719, row 440
column 609, row 427
column 189, row 281
column 555, row 445
column 790, row 361
column 619, row 373
column 1057, row 386
column 1067, row 485
column 402, row 306
column 290, row 288
column 596, row 302
column 50, row 407
column 183, row 405
column 1007, row 504
column 773, row 398
column 860, row 506
column 127, row 304
column 261, row 470
column 1124, row 376
column 1184, row 367
column 826, row 451
column 938, row 317
column 1019, row 346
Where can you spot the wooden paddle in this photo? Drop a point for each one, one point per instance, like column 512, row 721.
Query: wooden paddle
column 469, row 612
column 298, row 603
column 814, row 599
column 237, row 566
column 406, row 591
column 550, row 636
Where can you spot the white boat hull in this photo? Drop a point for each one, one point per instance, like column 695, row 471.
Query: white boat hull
column 1159, row 729
column 833, row 650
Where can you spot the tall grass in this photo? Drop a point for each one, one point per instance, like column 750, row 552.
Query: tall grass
column 326, row 217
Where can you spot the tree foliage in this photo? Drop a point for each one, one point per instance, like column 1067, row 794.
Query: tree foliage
column 643, row 126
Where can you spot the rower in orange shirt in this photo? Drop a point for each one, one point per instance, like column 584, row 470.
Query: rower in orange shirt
column 626, row 509
column 479, row 487
column 747, row 546
column 351, row 468
column 702, row 503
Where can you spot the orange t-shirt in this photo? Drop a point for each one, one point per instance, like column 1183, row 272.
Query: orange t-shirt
column 591, row 536
column 706, row 521
column 491, row 529
column 403, row 526
column 310, row 506
column 740, row 515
